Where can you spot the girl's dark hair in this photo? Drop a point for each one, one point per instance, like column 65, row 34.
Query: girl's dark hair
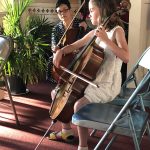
column 60, row 2
column 107, row 8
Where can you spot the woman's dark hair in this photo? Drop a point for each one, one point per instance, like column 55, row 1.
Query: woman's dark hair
column 107, row 8
column 60, row 2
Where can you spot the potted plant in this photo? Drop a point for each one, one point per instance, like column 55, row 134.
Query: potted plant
column 27, row 60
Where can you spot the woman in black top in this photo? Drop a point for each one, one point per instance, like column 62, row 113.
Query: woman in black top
column 63, row 9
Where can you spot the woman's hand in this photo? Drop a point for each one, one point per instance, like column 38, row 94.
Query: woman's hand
column 101, row 34
column 57, row 58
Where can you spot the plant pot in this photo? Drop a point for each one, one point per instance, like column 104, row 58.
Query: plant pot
column 16, row 85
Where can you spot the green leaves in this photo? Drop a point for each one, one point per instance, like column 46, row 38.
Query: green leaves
column 27, row 58
column 15, row 9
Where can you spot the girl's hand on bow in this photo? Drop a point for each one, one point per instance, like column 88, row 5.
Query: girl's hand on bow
column 101, row 34
column 57, row 58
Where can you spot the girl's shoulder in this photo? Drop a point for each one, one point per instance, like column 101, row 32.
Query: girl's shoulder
column 117, row 28
column 116, row 31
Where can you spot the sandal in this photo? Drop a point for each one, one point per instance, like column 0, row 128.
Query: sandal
column 58, row 136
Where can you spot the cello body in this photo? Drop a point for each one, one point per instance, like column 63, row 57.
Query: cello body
column 72, row 88
column 68, row 39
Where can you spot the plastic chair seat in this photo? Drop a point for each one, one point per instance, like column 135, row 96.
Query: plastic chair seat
column 98, row 117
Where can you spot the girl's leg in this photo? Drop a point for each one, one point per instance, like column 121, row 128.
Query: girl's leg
column 66, row 126
column 82, row 132
column 80, row 103
column 83, row 136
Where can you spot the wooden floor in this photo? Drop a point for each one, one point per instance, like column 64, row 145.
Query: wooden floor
column 33, row 114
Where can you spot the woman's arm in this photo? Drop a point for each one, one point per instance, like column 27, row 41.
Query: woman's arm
column 70, row 48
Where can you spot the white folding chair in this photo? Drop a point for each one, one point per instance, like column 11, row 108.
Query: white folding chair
column 126, row 119
column 127, row 91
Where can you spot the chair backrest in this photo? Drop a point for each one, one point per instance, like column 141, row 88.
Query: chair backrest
column 145, row 59
column 5, row 49
column 143, row 62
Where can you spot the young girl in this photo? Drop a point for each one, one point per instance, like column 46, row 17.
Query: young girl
column 112, row 40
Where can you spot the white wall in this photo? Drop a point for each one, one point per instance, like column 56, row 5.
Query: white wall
column 42, row 7
column 47, row 8
column 139, row 29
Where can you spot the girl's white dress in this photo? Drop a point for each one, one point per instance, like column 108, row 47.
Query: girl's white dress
column 108, row 77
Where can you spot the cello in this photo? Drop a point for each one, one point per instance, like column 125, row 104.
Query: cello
column 65, row 89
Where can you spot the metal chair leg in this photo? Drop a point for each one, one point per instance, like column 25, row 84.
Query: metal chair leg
column 111, row 142
column 11, row 100
column 135, row 139
column 93, row 132
column 143, row 108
